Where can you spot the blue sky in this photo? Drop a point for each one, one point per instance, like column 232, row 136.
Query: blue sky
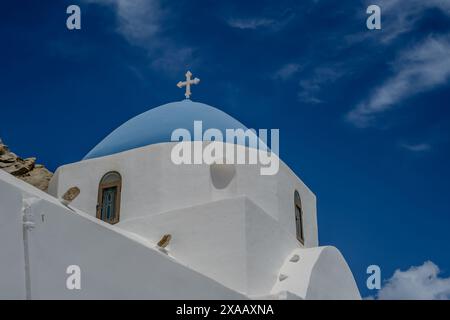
column 363, row 115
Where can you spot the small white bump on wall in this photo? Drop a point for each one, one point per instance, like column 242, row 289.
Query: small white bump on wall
column 282, row 277
column 163, row 250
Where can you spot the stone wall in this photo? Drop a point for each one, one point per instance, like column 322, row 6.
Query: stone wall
column 24, row 169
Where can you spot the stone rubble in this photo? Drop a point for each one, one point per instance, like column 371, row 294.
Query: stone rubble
column 24, row 169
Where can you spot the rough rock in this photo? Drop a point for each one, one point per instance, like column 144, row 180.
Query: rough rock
column 3, row 148
column 38, row 177
column 24, row 169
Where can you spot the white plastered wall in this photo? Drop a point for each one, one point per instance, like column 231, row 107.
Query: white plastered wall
column 152, row 184
column 232, row 241
column 114, row 264
column 119, row 263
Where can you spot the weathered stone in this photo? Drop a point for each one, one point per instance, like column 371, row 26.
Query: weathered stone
column 6, row 164
column 38, row 177
column 17, row 170
column 3, row 149
column 24, row 169
column 8, row 157
column 29, row 163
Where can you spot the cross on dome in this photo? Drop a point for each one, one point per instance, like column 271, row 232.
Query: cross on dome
column 188, row 83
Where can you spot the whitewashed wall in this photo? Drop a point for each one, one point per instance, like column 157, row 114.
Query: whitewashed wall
column 12, row 264
column 114, row 265
column 239, row 253
column 328, row 275
column 232, row 241
column 152, row 184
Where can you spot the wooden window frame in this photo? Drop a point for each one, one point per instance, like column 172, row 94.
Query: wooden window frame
column 101, row 187
column 300, row 234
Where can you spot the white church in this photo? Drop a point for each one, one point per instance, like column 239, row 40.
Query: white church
column 126, row 222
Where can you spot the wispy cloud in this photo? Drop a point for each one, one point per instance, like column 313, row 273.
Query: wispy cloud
column 251, row 23
column 287, row 71
column 272, row 23
column 400, row 17
column 141, row 23
column 174, row 59
column 311, row 87
column 420, row 147
column 417, row 69
column 137, row 19
column 417, row 283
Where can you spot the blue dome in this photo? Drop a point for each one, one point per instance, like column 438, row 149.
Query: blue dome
column 157, row 125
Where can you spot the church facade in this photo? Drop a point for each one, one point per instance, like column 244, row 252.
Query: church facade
column 141, row 226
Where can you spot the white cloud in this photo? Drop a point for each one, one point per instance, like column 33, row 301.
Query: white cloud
column 174, row 59
column 400, row 16
column 287, row 71
column 416, row 283
column 141, row 23
column 421, row 147
column 417, row 70
column 310, row 88
column 251, row 23
column 137, row 19
column 272, row 22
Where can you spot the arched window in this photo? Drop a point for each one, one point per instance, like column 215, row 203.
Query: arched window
column 299, row 218
column 108, row 207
